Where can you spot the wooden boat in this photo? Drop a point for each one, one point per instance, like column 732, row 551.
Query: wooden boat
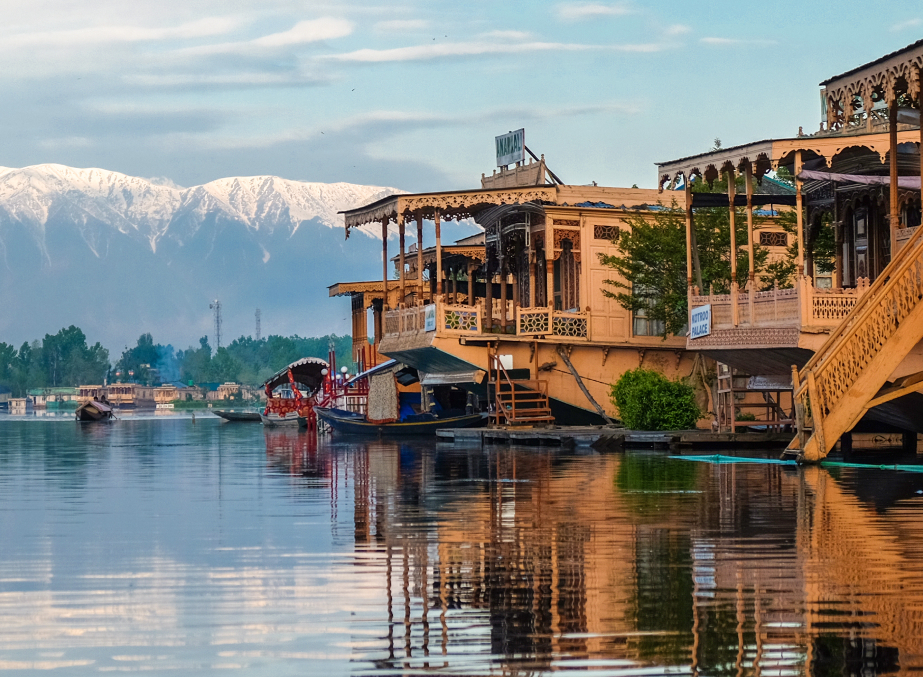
column 290, row 421
column 238, row 416
column 351, row 423
column 93, row 410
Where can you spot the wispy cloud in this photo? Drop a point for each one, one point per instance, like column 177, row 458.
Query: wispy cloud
column 904, row 25
column 576, row 11
column 728, row 42
column 506, row 35
column 401, row 26
column 466, row 49
column 95, row 35
column 302, row 33
column 677, row 29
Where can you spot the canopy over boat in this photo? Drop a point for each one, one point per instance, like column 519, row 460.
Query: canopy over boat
column 306, row 372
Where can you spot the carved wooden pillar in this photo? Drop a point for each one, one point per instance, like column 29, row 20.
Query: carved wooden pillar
column 384, row 260
column 688, row 191
column 503, row 295
column 438, row 253
column 732, row 215
column 920, row 100
column 838, row 230
column 799, row 213
column 400, row 227
column 895, row 205
column 751, row 273
column 471, row 268
column 420, row 255
column 533, row 263
column 488, row 296
column 549, row 262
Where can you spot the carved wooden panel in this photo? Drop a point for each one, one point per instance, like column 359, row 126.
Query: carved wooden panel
column 770, row 239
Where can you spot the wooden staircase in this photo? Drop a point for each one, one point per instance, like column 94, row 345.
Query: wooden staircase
column 844, row 379
column 517, row 401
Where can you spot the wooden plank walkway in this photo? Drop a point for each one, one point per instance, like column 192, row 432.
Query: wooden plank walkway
column 611, row 438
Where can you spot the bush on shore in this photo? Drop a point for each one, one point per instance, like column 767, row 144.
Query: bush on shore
column 647, row 400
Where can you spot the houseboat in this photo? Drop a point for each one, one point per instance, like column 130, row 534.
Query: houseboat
column 849, row 348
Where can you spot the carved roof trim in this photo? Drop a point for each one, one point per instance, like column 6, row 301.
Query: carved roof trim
column 350, row 288
column 907, row 53
column 451, row 205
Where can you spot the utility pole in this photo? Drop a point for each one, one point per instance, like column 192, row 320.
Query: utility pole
column 257, row 314
column 216, row 306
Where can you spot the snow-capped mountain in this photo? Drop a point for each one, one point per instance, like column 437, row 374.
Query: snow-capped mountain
column 119, row 255
column 32, row 196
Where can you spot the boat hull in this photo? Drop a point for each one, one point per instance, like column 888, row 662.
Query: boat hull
column 93, row 411
column 275, row 421
column 348, row 423
column 239, row 416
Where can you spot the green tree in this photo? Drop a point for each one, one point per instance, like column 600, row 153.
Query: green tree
column 142, row 360
column 651, row 260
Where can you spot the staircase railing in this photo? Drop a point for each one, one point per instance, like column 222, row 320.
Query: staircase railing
column 845, row 357
column 528, row 392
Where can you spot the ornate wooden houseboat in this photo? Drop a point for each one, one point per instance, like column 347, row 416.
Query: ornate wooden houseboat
column 852, row 349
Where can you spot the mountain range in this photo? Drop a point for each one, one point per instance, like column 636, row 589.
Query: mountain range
column 120, row 255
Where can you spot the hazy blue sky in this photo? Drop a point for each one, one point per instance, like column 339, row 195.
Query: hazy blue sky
column 411, row 94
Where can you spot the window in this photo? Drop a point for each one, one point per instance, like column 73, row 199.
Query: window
column 641, row 325
column 609, row 233
column 567, row 279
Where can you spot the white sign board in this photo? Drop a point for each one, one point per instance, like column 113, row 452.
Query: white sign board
column 511, row 148
column 700, row 324
column 429, row 317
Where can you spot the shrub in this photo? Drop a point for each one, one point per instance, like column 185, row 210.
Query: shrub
column 647, row 400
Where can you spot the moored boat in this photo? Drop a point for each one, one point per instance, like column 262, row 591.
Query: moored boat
column 290, row 421
column 351, row 423
column 94, row 410
column 238, row 416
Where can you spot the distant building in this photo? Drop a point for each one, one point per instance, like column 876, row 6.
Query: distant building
column 5, row 396
column 20, row 406
column 53, row 398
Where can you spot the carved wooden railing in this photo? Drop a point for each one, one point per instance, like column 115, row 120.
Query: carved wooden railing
column 458, row 320
column 838, row 384
column 802, row 306
column 570, row 324
column 533, row 321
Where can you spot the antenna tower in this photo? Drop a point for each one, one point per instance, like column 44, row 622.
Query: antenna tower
column 257, row 314
column 216, row 306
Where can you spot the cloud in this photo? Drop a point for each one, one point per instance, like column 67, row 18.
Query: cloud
column 507, row 35
column 95, row 35
column 588, row 10
column 326, row 28
column 465, row 49
column 677, row 29
column 304, row 32
column 401, row 26
column 904, row 25
column 727, row 42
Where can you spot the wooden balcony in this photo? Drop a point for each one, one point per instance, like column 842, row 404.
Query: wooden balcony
column 778, row 317
column 447, row 320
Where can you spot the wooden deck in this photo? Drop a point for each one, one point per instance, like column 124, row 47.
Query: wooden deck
column 612, row 438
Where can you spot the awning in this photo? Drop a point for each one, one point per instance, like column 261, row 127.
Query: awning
column 912, row 182
column 453, row 378
column 388, row 365
column 306, row 372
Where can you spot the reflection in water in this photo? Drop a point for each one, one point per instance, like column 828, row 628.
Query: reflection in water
column 170, row 546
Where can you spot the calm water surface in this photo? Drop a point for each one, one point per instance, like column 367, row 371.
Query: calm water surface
column 172, row 547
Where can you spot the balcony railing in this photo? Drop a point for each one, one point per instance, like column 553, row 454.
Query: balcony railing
column 802, row 306
column 463, row 320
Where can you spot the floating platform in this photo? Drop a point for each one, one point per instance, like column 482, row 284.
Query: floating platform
column 612, row 438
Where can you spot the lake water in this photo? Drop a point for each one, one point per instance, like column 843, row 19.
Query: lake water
column 172, row 547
